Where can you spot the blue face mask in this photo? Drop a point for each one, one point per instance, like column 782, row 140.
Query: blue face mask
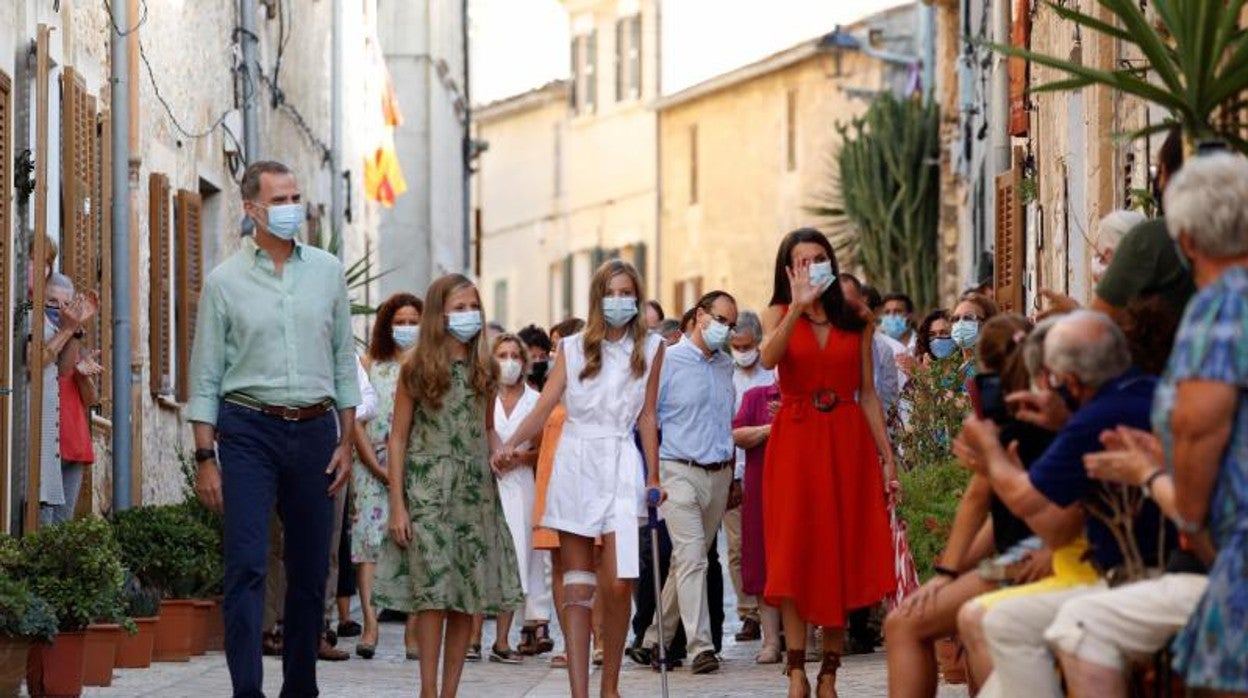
column 893, row 325
column 965, row 332
column 943, row 347
column 405, row 335
column 285, row 220
column 619, row 310
column 53, row 315
column 821, row 275
column 715, row 334
column 464, row 325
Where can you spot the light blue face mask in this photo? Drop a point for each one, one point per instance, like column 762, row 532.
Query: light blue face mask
column 893, row 325
column 715, row 334
column 619, row 310
column 943, row 347
column 965, row 332
column 821, row 276
column 405, row 335
column 285, row 220
column 464, row 325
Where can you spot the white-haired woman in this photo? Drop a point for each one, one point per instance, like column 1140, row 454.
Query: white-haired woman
column 1109, row 232
column 1201, row 413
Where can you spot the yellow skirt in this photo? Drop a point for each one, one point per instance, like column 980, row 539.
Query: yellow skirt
column 1070, row 569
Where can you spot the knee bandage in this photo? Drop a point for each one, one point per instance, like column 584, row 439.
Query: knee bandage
column 578, row 589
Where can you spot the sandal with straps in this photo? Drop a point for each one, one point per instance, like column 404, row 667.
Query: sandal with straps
column 796, row 661
column 528, row 641
column 827, row 669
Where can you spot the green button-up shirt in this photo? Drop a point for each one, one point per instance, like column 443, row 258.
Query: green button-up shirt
column 283, row 340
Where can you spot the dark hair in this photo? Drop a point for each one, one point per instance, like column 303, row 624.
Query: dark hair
column 708, row 299
column 900, row 297
column 568, row 327
column 381, row 346
column 1170, row 155
column 923, row 345
column 840, row 313
column 535, row 337
column 853, row 280
column 1000, row 350
column 689, row 316
column 250, row 185
column 657, row 308
column 1150, row 324
column 872, row 298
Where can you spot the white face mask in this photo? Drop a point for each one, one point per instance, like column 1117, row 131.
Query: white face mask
column 509, row 371
column 745, row 359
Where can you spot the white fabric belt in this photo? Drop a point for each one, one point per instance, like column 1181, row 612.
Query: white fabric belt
column 595, row 431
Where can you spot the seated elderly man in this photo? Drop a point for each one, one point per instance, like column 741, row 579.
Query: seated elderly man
column 1088, row 360
column 1200, row 412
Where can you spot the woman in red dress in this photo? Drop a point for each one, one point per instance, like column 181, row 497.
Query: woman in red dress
column 828, row 542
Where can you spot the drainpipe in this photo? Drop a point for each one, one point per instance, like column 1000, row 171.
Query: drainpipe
column 337, row 196
column 999, row 111
column 467, row 145
column 251, row 90
column 119, row 98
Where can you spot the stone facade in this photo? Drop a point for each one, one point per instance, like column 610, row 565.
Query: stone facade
column 192, row 54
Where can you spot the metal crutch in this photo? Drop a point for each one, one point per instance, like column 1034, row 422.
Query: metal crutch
column 652, row 513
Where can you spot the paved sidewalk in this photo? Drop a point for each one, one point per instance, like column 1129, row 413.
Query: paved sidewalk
column 390, row 675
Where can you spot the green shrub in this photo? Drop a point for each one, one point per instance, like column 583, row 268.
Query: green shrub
column 929, row 498
column 169, row 550
column 938, row 404
column 23, row 614
column 75, row 567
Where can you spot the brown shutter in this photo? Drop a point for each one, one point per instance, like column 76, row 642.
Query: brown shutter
column 1020, row 37
column 7, row 284
column 190, row 280
column 158, row 287
column 77, row 180
column 104, row 187
column 1009, row 253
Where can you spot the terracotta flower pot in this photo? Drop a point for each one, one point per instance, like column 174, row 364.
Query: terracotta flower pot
column 199, row 634
column 216, row 626
column 950, row 660
column 135, row 651
column 174, row 631
column 56, row 669
column 12, row 664
column 101, row 654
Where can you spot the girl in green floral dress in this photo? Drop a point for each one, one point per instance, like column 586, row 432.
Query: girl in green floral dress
column 450, row 554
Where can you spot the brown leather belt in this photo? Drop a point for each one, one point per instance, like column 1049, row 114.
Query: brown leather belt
column 290, row 414
column 712, row 467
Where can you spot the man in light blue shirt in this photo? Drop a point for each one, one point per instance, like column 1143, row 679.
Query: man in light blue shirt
column 696, row 459
column 274, row 389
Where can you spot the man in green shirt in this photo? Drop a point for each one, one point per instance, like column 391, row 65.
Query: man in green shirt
column 274, row 388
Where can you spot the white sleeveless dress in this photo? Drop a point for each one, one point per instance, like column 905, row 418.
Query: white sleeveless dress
column 597, row 484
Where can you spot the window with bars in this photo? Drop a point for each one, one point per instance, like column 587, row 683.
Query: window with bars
column 628, row 58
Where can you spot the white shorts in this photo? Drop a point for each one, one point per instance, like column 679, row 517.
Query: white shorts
column 1130, row 622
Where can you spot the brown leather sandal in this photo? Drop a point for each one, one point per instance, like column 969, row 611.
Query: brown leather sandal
column 827, row 669
column 796, row 661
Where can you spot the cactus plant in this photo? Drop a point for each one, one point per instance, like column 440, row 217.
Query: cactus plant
column 885, row 198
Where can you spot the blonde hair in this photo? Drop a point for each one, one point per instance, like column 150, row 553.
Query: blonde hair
column 596, row 326
column 506, row 337
column 426, row 369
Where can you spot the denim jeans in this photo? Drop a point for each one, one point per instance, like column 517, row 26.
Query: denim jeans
column 264, row 460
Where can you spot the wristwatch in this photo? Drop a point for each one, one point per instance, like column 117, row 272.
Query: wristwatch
column 1147, row 487
column 205, row 454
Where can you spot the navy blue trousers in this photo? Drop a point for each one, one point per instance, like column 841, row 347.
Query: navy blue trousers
column 265, row 460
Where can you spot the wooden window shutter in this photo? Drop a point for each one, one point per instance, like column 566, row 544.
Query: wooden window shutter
column 1009, row 253
column 104, row 189
column 158, row 283
column 1020, row 37
column 190, row 279
column 77, row 182
column 7, row 285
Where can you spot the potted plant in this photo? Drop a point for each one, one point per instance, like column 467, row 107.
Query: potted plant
column 24, row 619
column 211, row 579
column 75, row 567
column 168, row 549
column 134, row 651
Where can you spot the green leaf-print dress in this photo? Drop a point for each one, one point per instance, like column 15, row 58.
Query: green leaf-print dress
column 461, row 556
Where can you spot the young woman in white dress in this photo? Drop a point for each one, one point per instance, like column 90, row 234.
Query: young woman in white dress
column 517, row 490
column 607, row 377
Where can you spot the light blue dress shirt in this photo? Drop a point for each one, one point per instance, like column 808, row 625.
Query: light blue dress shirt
column 696, row 398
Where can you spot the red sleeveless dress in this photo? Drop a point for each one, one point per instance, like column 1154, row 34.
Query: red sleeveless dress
column 828, row 542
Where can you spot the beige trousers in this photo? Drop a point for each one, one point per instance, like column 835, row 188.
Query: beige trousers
column 747, row 605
